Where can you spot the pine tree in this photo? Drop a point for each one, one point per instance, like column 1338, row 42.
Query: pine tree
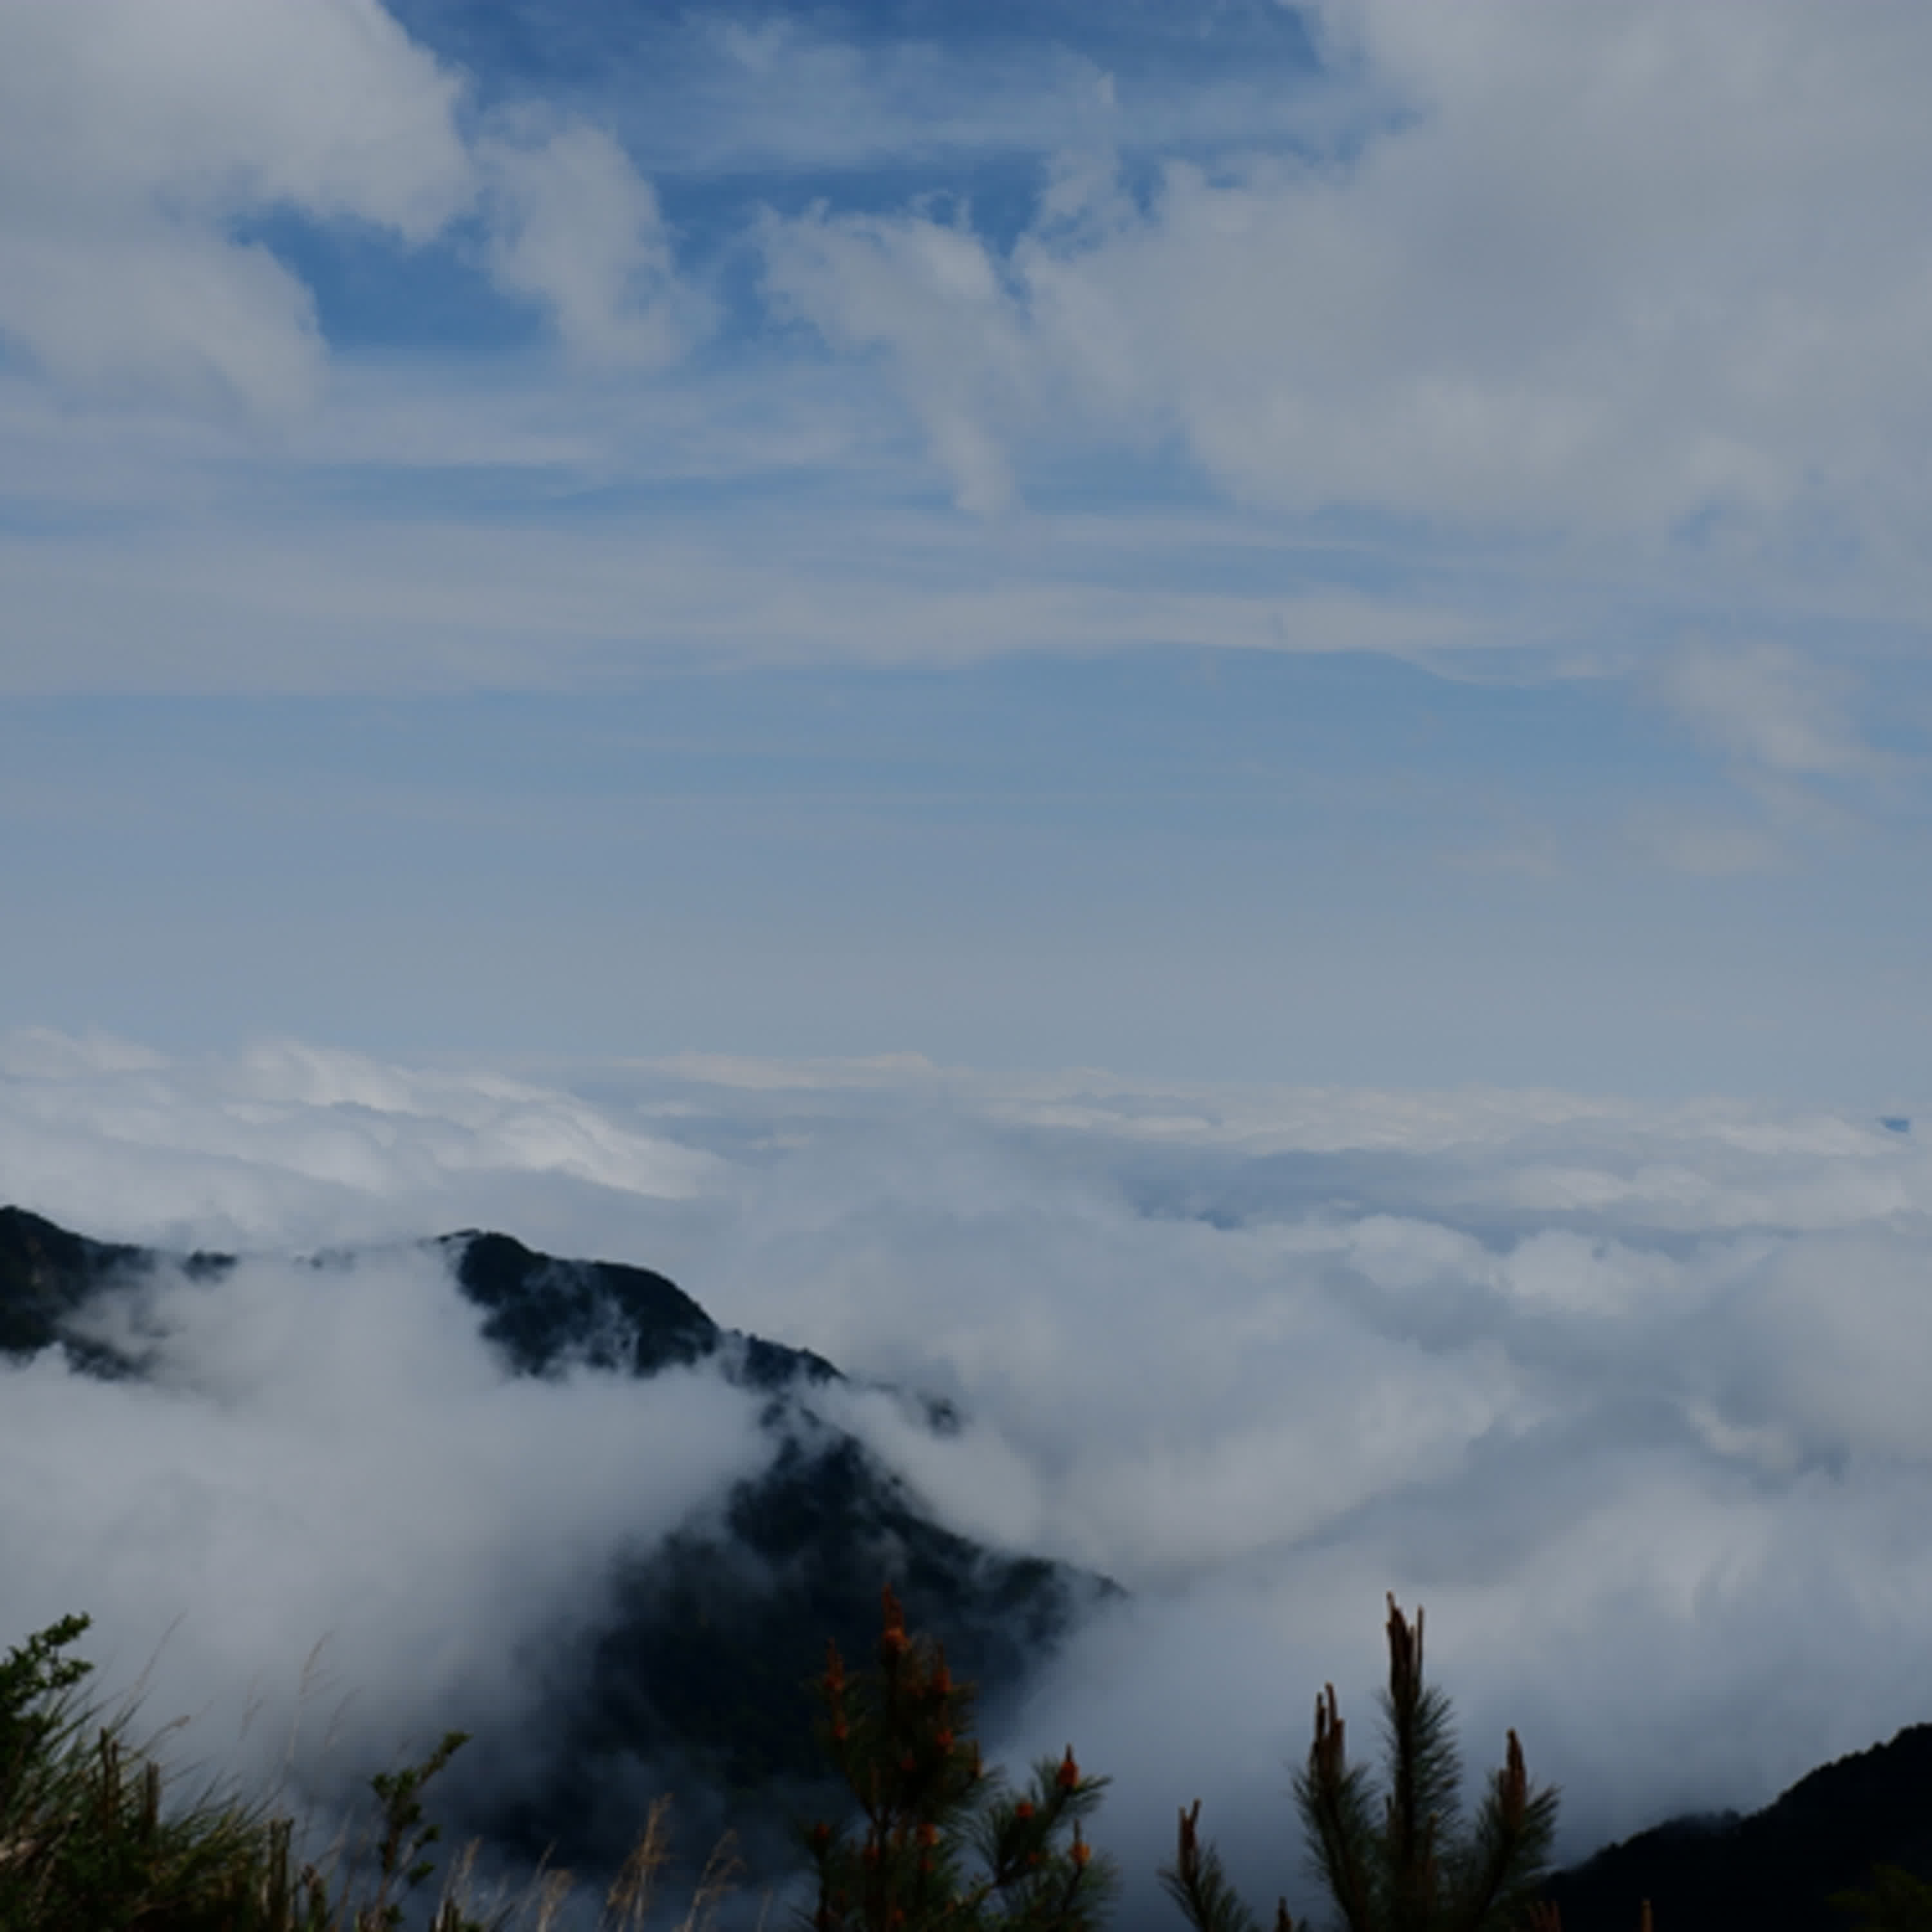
column 1395, row 1861
column 938, row 1842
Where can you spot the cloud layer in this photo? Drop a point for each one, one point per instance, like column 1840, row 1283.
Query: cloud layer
column 1572, row 329
column 1627, row 1397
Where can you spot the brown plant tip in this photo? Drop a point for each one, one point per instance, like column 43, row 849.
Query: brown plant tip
column 1068, row 1778
column 1516, row 1783
column 1328, row 1756
column 1405, row 1642
column 1190, row 1841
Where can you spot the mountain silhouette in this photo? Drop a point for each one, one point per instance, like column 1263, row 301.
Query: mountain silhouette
column 699, row 1675
column 1774, row 1871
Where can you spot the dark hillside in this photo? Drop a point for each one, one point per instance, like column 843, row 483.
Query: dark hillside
column 1773, row 1871
column 46, row 1274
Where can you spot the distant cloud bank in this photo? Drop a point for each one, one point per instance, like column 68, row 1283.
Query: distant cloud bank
column 1631, row 1397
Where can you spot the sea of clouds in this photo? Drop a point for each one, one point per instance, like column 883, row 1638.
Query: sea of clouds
column 1633, row 1398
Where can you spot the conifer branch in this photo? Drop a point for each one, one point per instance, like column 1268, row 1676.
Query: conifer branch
column 1404, row 1864
column 1196, row 1882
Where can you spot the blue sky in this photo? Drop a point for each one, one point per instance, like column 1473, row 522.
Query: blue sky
column 1370, row 544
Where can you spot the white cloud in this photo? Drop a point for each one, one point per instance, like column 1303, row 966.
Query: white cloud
column 1612, row 273
column 328, row 1459
column 136, row 134
column 1528, row 281
column 1782, row 722
column 289, row 1145
column 133, row 135
column 1767, row 707
column 576, row 228
column 927, row 293
column 1625, row 1394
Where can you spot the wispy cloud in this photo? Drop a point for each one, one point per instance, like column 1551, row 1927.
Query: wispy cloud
column 579, row 231
column 1412, row 303
column 1784, row 723
column 1770, row 710
column 1708, row 848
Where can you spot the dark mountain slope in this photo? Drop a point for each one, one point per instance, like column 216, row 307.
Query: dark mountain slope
column 47, row 1274
column 545, row 1315
column 699, row 1673
column 1775, row 1869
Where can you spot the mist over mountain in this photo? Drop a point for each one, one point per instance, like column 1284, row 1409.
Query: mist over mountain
column 1777, row 1869
column 692, row 1672
column 1629, row 1396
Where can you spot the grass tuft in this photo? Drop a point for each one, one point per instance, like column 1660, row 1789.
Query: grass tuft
column 91, row 1834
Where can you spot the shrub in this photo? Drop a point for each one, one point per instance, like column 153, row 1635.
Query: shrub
column 86, row 1841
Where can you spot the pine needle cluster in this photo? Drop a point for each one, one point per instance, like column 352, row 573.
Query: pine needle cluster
column 1398, row 1860
column 936, row 1842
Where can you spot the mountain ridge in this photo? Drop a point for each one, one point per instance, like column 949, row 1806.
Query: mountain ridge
column 1774, row 1870
column 702, row 1665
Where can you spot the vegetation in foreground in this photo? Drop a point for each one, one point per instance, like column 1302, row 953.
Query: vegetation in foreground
column 1394, row 1861
column 936, row 1840
column 91, row 1839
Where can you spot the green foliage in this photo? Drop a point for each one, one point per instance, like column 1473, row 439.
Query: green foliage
column 86, row 1841
column 83, row 1840
column 405, row 1838
column 1395, row 1861
column 1896, row 1902
column 35, row 1678
column 938, row 1841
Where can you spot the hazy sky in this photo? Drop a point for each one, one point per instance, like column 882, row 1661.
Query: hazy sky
column 1379, row 542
